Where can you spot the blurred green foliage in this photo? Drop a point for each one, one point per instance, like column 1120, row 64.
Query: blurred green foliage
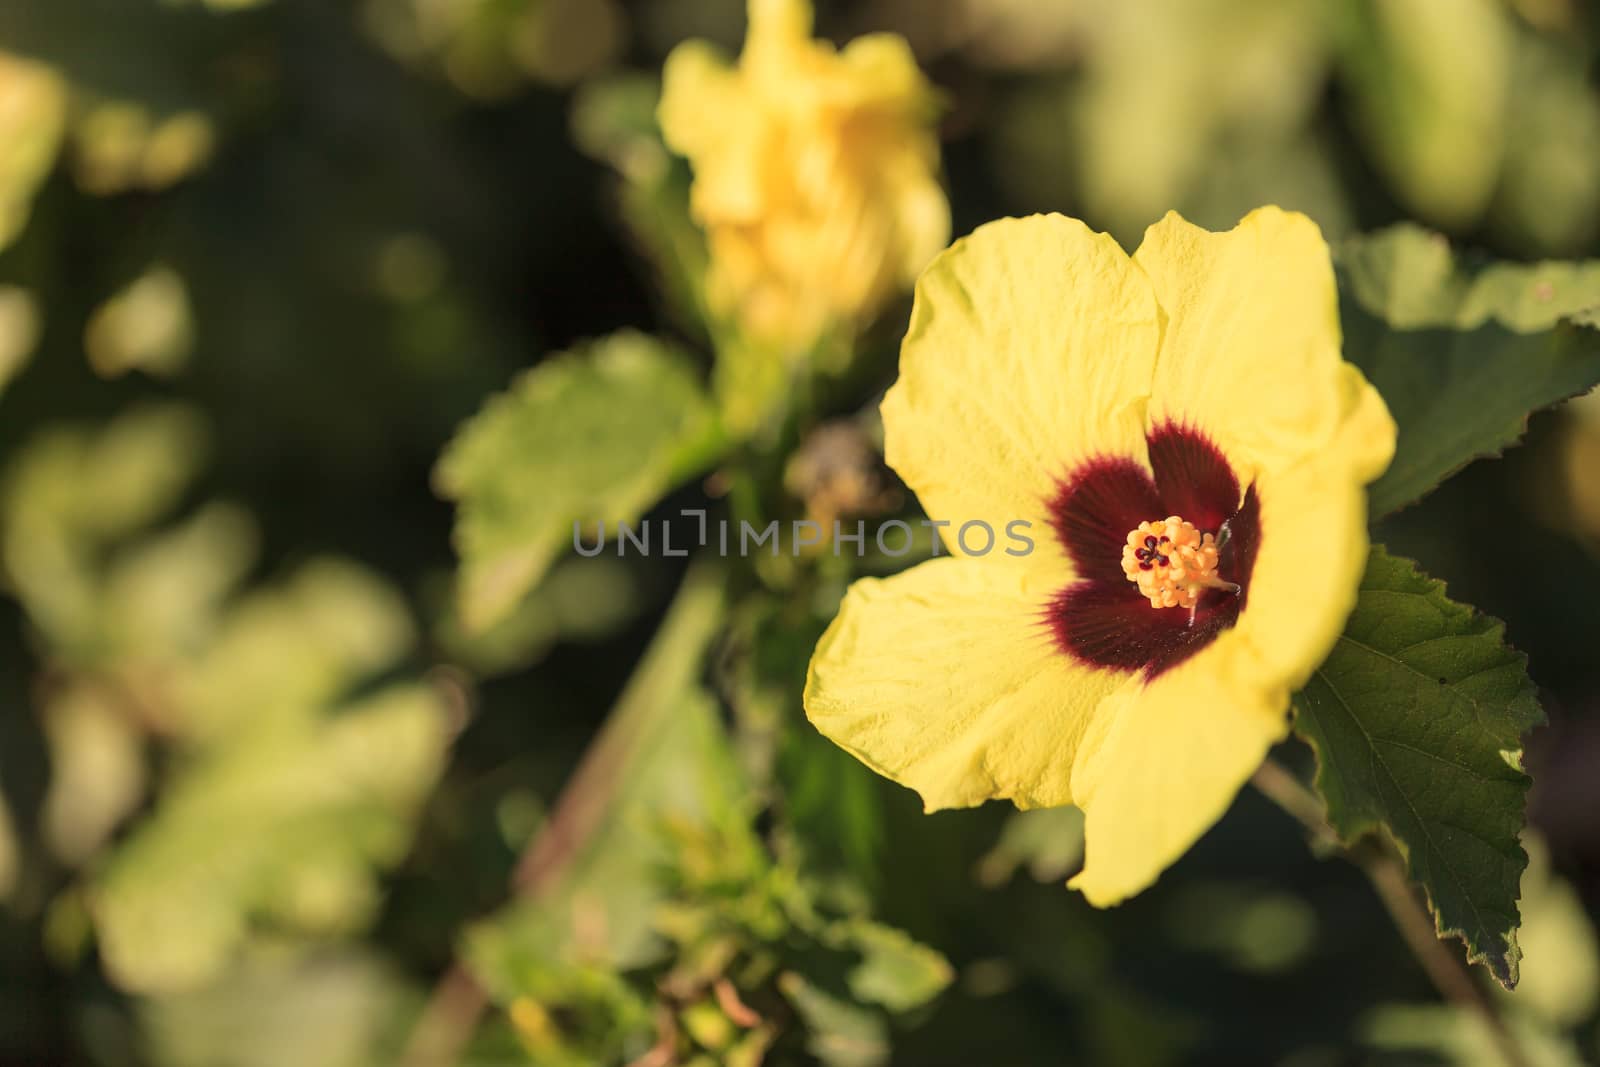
column 276, row 789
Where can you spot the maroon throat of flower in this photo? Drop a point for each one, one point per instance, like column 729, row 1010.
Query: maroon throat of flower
column 1163, row 555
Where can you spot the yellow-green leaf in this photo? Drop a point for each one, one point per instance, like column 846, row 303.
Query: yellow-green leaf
column 589, row 436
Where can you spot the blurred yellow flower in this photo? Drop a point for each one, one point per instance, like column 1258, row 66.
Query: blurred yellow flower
column 33, row 111
column 1191, row 451
column 815, row 173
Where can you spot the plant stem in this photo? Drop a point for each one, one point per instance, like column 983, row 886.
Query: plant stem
column 457, row 1003
column 445, row 1025
column 1388, row 877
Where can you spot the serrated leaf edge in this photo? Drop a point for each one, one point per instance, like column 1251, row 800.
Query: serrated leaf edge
column 1376, row 827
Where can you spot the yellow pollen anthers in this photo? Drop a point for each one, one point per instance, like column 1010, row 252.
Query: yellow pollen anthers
column 1172, row 562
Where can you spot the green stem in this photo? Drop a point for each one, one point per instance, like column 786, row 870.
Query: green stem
column 1384, row 870
column 457, row 1003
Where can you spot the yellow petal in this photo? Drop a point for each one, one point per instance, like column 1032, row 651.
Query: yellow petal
column 1314, row 540
column 945, row 679
column 879, row 70
column 1165, row 763
column 1031, row 349
column 707, row 115
column 696, row 84
column 815, row 174
column 1251, row 349
column 776, row 27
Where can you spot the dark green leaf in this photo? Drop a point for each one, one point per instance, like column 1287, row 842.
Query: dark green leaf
column 1462, row 352
column 1417, row 718
column 595, row 435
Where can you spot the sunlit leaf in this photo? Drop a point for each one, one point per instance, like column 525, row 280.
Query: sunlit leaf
column 284, row 653
column 1462, row 351
column 328, row 1010
column 31, row 123
column 19, row 330
column 147, row 326
column 72, row 492
column 1417, row 718
column 1561, row 973
column 121, row 145
column 285, row 792
column 97, row 765
column 163, row 595
column 595, row 435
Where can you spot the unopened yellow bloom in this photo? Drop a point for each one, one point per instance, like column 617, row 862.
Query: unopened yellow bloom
column 33, row 111
column 815, row 173
column 1191, row 451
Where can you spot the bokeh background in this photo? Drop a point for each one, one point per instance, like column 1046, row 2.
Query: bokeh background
column 262, row 792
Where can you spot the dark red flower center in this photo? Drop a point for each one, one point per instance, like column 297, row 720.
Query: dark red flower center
column 1102, row 619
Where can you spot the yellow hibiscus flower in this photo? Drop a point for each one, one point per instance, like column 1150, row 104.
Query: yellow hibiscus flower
column 1191, row 451
column 815, row 173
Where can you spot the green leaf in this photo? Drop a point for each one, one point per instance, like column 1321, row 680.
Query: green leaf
column 842, row 1034
column 72, row 493
column 1411, row 278
column 1429, row 81
column 1417, row 719
column 1462, row 351
column 895, row 971
column 595, row 435
column 286, row 789
column 278, row 829
column 19, row 330
column 1545, row 200
column 1561, row 975
column 1048, row 841
column 332, row 1009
